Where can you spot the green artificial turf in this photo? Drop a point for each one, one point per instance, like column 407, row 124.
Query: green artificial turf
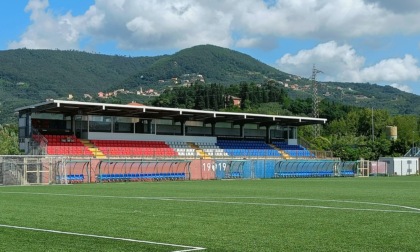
column 331, row 214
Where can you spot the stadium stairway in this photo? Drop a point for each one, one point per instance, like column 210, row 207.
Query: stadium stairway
column 92, row 148
column 199, row 151
column 282, row 152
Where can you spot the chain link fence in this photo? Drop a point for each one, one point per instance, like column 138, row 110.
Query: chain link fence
column 26, row 170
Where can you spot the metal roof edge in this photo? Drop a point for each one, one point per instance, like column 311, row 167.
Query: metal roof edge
column 180, row 110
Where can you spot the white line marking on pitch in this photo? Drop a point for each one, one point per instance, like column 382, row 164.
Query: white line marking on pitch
column 322, row 200
column 185, row 248
column 413, row 209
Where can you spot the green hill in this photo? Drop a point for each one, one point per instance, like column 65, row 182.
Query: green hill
column 31, row 76
column 371, row 96
column 217, row 64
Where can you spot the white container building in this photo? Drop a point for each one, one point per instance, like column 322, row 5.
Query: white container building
column 401, row 166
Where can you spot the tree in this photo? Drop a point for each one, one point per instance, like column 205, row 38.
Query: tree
column 407, row 128
column 379, row 148
column 9, row 140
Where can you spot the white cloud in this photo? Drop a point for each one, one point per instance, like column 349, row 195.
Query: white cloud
column 170, row 24
column 395, row 69
column 336, row 62
column 402, row 6
column 341, row 63
column 266, row 43
column 323, row 19
column 248, row 42
column 130, row 23
column 402, row 87
column 47, row 30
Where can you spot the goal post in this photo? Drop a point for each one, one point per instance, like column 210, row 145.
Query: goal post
column 363, row 168
column 368, row 168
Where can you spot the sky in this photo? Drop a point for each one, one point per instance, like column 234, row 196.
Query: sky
column 367, row 41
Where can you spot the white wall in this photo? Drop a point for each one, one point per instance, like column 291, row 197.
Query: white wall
column 401, row 166
column 292, row 142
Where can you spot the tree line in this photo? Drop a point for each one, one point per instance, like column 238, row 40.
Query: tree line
column 220, row 97
column 350, row 133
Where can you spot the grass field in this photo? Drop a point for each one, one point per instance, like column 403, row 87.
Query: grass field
column 331, row 214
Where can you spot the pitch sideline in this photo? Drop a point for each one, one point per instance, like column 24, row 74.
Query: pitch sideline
column 197, row 200
column 184, row 247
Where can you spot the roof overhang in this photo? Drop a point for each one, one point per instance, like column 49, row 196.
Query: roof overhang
column 72, row 108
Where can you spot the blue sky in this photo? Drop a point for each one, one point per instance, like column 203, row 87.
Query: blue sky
column 349, row 40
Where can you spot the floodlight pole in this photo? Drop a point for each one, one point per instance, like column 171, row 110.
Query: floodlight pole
column 315, row 100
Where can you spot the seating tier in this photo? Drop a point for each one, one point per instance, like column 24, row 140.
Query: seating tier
column 247, row 148
column 134, row 148
column 293, row 150
column 66, row 145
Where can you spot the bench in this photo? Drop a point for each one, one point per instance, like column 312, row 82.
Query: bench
column 140, row 176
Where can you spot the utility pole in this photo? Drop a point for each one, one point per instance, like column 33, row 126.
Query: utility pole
column 413, row 139
column 315, row 100
column 373, row 128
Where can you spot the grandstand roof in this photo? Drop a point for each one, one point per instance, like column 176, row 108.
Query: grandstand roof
column 69, row 108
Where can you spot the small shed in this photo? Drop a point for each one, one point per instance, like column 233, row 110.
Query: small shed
column 401, row 166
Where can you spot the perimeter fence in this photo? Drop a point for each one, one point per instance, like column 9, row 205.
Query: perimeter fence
column 27, row 170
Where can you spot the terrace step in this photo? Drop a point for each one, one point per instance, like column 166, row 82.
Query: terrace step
column 96, row 152
column 199, row 151
column 282, row 152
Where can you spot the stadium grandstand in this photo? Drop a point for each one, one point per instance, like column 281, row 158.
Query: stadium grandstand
column 82, row 142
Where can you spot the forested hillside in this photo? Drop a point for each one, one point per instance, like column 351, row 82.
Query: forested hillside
column 371, row 96
column 31, row 76
column 351, row 132
column 217, row 64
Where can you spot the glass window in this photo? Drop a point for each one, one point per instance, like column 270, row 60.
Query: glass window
column 124, row 124
column 100, row 123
